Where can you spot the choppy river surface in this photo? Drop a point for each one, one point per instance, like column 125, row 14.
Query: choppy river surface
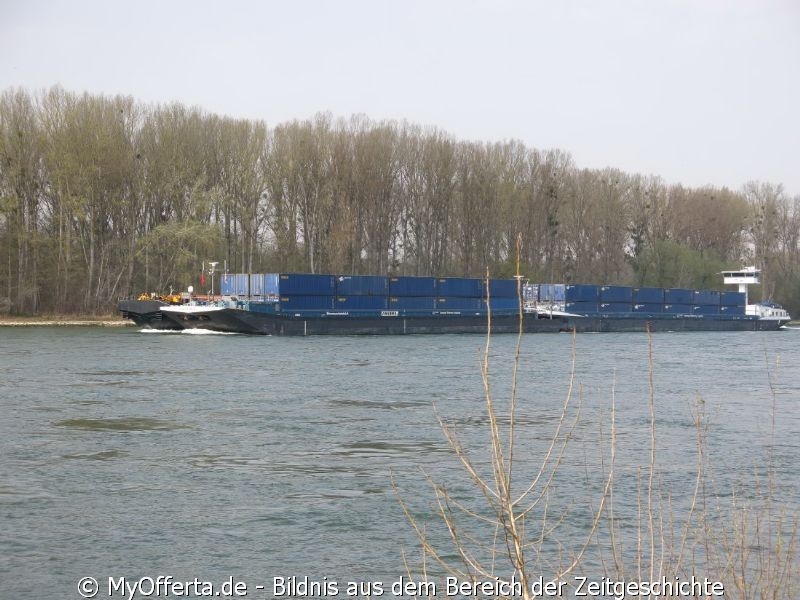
column 136, row 454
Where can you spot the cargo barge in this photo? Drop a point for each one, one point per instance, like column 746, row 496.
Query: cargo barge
column 312, row 304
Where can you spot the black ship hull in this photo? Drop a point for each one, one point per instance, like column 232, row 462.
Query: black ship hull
column 241, row 321
column 146, row 313
column 236, row 320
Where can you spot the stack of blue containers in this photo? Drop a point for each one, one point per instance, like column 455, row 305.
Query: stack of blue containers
column 582, row 299
column 549, row 293
column 457, row 294
column 361, row 292
column 264, row 286
column 648, row 300
column 705, row 302
column 234, row 284
column 412, row 293
column 697, row 302
column 304, row 291
column 451, row 294
column 732, row 303
column 616, row 299
column 311, row 292
column 679, row 301
column 594, row 299
column 503, row 295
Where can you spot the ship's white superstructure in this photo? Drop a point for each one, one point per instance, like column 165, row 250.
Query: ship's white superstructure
column 748, row 276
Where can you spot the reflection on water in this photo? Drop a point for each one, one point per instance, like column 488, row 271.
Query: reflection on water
column 211, row 455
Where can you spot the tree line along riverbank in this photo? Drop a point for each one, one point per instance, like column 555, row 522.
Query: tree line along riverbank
column 102, row 197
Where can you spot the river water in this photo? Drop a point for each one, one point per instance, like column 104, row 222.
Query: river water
column 126, row 453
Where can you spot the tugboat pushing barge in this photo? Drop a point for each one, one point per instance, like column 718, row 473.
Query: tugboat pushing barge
column 313, row 304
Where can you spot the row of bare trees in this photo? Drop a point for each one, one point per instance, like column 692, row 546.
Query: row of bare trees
column 103, row 196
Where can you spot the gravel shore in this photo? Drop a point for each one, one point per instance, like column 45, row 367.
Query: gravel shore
column 44, row 322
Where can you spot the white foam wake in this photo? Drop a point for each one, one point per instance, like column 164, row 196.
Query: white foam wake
column 188, row 331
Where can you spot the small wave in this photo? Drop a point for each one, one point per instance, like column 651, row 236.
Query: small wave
column 395, row 405
column 97, row 382
column 105, row 455
column 386, row 449
column 120, row 424
column 104, row 373
column 332, row 494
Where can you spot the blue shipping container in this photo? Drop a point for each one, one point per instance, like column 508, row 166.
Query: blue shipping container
column 503, row 288
column 616, row 293
column 241, row 284
column 458, row 303
column 679, row 309
column 552, row 292
column 582, row 293
column 412, row 303
column 706, row 309
column 615, row 307
column 272, row 286
column 556, row 292
column 289, row 303
column 306, row 284
column 732, row 310
column 362, row 285
column 256, row 284
column 648, row 295
column 706, row 297
column 732, row 299
column 412, row 286
column 459, row 287
column 648, row 307
column 361, row 302
column 581, row 308
column 226, row 285
column 233, row 284
column 501, row 303
column 678, row 296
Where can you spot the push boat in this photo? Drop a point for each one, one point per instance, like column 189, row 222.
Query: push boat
column 312, row 304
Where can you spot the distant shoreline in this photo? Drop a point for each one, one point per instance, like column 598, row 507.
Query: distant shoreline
column 64, row 321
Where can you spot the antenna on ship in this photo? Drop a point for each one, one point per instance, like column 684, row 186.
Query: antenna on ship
column 212, row 267
column 743, row 278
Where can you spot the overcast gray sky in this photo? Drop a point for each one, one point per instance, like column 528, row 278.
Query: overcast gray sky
column 696, row 91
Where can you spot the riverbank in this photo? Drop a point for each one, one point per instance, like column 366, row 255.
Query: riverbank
column 66, row 321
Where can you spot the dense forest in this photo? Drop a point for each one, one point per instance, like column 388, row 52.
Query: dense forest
column 101, row 197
